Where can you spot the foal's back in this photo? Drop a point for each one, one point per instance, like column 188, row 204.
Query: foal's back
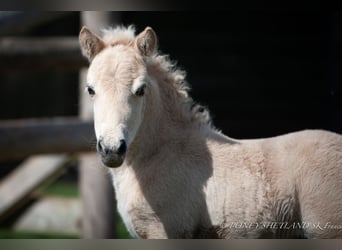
column 307, row 166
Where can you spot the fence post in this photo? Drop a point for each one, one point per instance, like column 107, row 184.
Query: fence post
column 97, row 194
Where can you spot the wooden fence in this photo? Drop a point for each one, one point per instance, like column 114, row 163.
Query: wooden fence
column 30, row 137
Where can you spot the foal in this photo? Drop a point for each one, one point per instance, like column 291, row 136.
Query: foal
column 176, row 176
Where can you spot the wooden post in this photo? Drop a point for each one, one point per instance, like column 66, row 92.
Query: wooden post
column 98, row 201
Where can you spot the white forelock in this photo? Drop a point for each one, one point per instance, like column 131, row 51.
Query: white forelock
column 117, row 33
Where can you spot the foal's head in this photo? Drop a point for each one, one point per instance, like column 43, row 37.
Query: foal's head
column 117, row 83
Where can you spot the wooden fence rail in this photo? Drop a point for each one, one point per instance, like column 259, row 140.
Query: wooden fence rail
column 29, row 53
column 21, row 138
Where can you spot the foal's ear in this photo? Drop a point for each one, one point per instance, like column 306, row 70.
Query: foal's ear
column 146, row 42
column 90, row 43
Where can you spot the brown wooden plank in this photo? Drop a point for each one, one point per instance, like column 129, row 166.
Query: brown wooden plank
column 21, row 138
column 27, row 178
column 22, row 22
column 30, row 53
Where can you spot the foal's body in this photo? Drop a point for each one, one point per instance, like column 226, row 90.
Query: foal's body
column 185, row 179
column 180, row 177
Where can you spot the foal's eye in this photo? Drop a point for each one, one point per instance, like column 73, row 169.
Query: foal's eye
column 90, row 91
column 140, row 91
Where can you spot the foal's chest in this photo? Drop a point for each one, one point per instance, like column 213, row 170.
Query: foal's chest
column 129, row 198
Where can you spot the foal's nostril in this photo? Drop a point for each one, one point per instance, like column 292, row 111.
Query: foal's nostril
column 122, row 148
column 100, row 148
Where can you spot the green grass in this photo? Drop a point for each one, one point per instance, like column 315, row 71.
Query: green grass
column 121, row 230
column 64, row 189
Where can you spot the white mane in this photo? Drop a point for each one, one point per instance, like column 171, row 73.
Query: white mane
column 118, row 33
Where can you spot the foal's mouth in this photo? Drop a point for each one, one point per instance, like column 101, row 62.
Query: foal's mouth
column 113, row 161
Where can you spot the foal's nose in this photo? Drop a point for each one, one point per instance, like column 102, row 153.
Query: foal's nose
column 105, row 150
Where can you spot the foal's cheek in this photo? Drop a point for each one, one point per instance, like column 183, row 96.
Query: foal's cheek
column 99, row 120
column 136, row 119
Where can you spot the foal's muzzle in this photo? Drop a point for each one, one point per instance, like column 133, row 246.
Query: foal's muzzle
column 112, row 156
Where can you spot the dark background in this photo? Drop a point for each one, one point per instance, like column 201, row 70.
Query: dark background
column 261, row 73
